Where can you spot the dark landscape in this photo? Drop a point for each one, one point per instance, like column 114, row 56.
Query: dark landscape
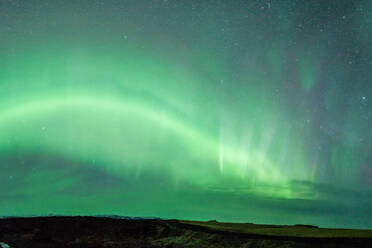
column 94, row 232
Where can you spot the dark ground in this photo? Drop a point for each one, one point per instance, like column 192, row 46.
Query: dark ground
column 94, row 232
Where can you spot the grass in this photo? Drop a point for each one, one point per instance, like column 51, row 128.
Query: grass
column 287, row 231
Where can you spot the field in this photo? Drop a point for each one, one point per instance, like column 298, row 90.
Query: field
column 301, row 231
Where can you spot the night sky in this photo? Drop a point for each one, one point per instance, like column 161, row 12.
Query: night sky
column 244, row 111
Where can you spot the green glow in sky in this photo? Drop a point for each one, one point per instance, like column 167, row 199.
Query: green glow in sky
column 237, row 112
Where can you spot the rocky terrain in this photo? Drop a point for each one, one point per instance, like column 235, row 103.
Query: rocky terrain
column 94, row 232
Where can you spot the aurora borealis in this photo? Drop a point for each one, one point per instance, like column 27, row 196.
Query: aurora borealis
column 247, row 111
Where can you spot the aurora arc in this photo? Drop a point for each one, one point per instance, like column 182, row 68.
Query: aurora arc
column 122, row 111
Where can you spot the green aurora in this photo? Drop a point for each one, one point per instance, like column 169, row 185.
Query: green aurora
column 242, row 111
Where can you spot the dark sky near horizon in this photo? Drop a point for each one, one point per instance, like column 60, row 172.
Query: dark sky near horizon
column 246, row 111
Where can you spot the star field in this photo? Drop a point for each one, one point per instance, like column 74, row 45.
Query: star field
column 248, row 111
